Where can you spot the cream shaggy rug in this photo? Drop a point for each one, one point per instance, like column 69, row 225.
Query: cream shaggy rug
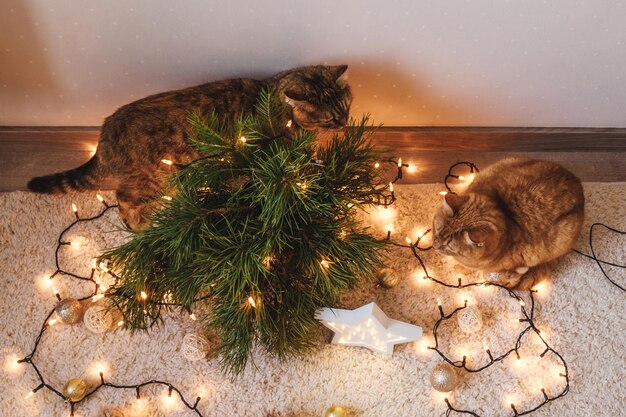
column 580, row 313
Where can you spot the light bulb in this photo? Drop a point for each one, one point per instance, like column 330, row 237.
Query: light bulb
column 144, row 295
column 52, row 322
column 391, row 187
column 74, row 208
column 289, row 123
column 252, row 302
column 97, row 297
column 408, row 240
column 522, row 303
column 120, row 323
column 243, row 139
column 193, row 317
column 167, row 161
column 399, row 162
column 443, row 192
column 103, row 266
column 75, row 243
column 100, row 198
column 167, row 197
column 376, row 165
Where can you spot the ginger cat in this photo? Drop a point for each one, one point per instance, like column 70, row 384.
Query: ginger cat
column 515, row 219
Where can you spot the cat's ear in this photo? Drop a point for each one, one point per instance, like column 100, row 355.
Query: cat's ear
column 452, row 203
column 294, row 94
column 340, row 73
column 475, row 237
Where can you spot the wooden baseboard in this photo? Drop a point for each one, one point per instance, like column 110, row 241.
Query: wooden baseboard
column 595, row 155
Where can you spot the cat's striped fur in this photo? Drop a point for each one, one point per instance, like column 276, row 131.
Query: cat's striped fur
column 135, row 138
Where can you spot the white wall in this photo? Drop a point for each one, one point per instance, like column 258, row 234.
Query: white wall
column 453, row 62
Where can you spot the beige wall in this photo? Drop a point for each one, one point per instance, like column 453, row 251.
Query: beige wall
column 452, row 62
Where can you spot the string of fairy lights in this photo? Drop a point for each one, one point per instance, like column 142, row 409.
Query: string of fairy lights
column 527, row 309
column 527, row 312
column 98, row 293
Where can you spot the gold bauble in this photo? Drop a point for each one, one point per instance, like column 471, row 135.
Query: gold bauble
column 69, row 311
column 387, row 277
column 443, row 378
column 74, row 390
column 336, row 411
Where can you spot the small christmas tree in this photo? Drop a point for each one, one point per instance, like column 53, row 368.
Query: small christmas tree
column 262, row 228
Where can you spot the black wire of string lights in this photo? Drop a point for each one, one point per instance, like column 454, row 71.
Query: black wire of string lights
column 95, row 295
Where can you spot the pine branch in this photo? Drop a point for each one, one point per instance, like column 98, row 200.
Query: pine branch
column 261, row 222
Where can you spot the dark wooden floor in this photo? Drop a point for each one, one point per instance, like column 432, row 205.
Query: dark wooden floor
column 592, row 154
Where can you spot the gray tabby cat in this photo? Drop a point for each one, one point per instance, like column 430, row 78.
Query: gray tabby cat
column 135, row 138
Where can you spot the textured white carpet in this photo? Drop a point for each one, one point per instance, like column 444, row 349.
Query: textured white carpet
column 582, row 315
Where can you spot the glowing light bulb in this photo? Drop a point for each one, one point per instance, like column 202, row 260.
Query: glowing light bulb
column 243, row 139
column 75, row 243
column 100, row 198
column 193, row 317
column 289, row 123
column 376, row 165
column 522, row 303
column 52, row 322
column 120, row 323
column 103, row 266
column 325, row 263
column 167, row 161
column 74, row 208
column 168, row 399
column 252, row 302
column 167, row 197
column 144, row 295
column 391, row 187
column 443, row 192
column 30, row 394
column 408, row 240
column 439, row 302
column 399, row 162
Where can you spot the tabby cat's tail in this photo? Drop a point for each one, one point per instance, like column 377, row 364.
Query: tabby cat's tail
column 84, row 177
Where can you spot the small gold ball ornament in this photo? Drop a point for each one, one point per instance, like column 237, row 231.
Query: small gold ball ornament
column 336, row 411
column 69, row 311
column 443, row 378
column 74, row 390
column 387, row 277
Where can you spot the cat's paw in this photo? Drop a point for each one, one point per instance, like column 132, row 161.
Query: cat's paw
column 509, row 279
column 521, row 270
column 534, row 276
